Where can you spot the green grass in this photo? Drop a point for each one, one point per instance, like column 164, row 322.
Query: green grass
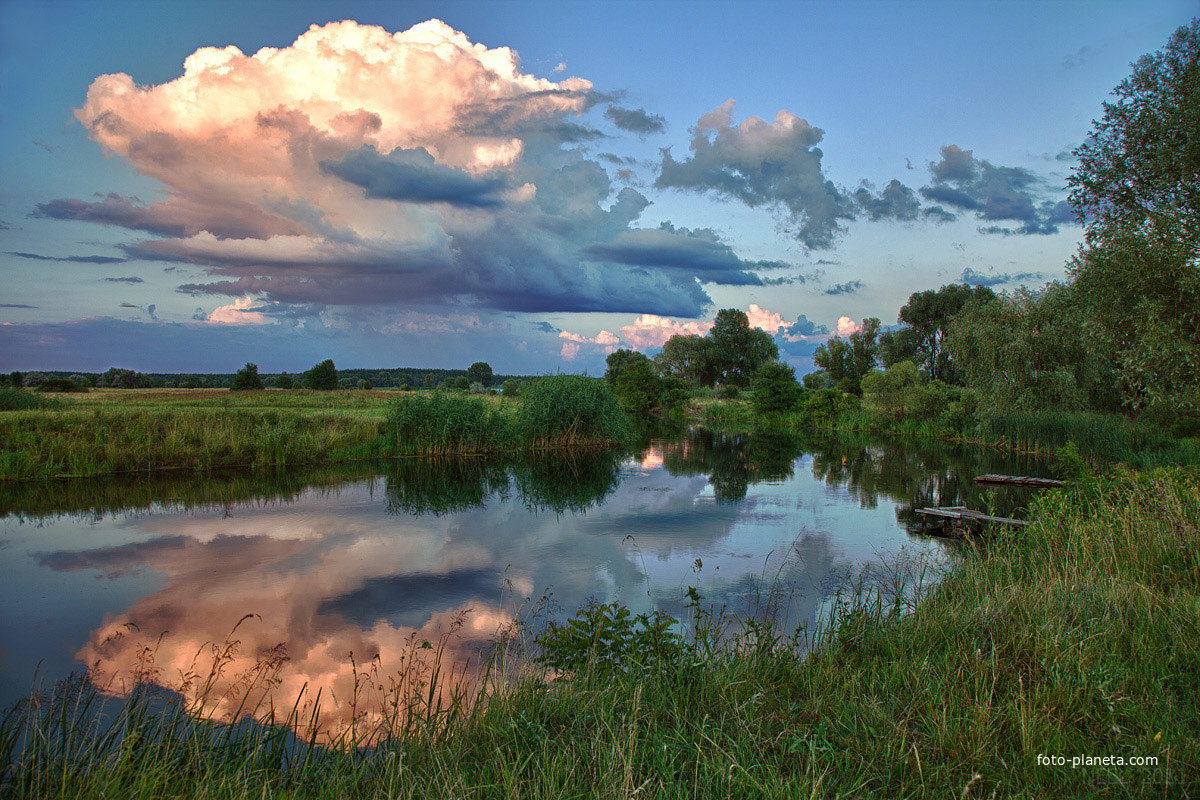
column 1079, row 635
column 119, row 431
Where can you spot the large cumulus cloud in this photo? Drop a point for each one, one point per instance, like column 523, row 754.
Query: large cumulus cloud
column 359, row 166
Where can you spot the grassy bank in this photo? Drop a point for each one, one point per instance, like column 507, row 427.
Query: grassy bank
column 1077, row 636
column 1099, row 438
column 120, row 431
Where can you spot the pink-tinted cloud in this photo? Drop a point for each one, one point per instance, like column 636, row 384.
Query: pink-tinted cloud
column 768, row 321
column 651, row 330
column 847, row 326
column 239, row 312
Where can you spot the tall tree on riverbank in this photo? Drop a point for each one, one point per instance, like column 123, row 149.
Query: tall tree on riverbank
column 247, row 379
column 926, row 318
column 1137, row 188
column 738, row 350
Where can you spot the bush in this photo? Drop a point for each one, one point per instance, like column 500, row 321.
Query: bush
column 775, row 388
column 477, row 388
column 247, row 380
column 509, row 388
column 118, row 378
column 726, row 392
column 323, row 376
column 363, row 383
column 462, row 383
column 571, row 409
column 60, row 385
column 284, row 381
column 16, row 399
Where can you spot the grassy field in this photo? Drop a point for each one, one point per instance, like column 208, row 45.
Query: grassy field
column 114, row 431
column 1078, row 636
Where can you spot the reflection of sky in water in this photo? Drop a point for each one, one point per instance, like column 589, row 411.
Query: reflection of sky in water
column 332, row 572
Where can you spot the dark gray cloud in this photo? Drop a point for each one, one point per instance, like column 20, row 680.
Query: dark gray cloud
column 173, row 217
column 613, row 158
column 849, row 287
column 635, row 120
column 546, row 327
column 775, row 165
column 991, row 278
column 896, row 201
column 69, row 259
column 128, row 279
column 993, row 193
column 699, row 252
column 414, row 176
column 937, row 214
column 803, row 326
column 16, row 305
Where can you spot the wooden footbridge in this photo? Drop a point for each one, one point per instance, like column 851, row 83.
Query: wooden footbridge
column 950, row 515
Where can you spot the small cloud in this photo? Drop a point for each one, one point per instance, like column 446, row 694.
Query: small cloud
column 239, row 312
column 560, row 67
column 850, row 287
column 847, row 326
column 16, row 305
column 635, row 120
column 546, row 327
column 992, row 278
column 69, row 259
column 129, row 279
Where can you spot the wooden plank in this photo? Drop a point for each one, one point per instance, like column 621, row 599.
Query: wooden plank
column 959, row 512
column 1020, row 480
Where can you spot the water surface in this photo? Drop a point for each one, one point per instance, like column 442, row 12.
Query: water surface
column 147, row 578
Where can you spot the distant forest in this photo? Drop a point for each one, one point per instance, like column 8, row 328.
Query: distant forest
column 414, row 377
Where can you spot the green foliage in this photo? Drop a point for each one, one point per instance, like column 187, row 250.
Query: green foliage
column 1142, row 158
column 118, row 378
column 637, row 387
column 364, row 384
column 60, row 385
column 566, row 410
column 846, row 361
column 461, row 384
column 480, row 372
column 247, row 379
column 927, row 317
column 510, row 388
column 1031, row 350
column 775, row 389
column 477, row 388
column 602, row 640
column 689, row 358
column 323, row 376
column 1141, row 292
column 818, row 379
column 737, row 350
column 16, row 379
column 13, row 398
column 284, row 381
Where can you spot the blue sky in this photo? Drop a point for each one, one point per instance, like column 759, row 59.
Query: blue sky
column 448, row 216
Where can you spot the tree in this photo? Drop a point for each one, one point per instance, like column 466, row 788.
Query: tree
column 480, row 372
column 847, row 361
column 322, row 376
column 1030, row 350
column 462, row 383
column 284, row 381
column 247, row 379
column 775, row 388
column 509, row 388
column 16, row 378
column 118, row 378
column 928, row 315
column 637, row 387
column 363, row 383
column 1142, row 159
column 688, row 358
column 618, row 361
column 737, row 350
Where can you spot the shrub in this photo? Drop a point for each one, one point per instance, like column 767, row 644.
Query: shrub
column 284, row 381
column 462, row 383
column 775, row 388
column 363, row 383
column 509, row 388
column 247, row 380
column 60, row 385
column 477, row 388
column 726, row 392
column 571, row 409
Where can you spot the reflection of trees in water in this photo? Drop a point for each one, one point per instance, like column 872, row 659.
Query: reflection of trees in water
column 920, row 475
column 555, row 482
column 732, row 461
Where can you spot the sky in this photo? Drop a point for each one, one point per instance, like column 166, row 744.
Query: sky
column 186, row 187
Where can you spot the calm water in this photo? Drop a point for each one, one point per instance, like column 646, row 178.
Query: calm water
column 142, row 576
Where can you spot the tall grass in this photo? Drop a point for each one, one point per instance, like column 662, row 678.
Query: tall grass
column 1076, row 636
column 77, row 442
column 16, row 399
column 555, row 412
